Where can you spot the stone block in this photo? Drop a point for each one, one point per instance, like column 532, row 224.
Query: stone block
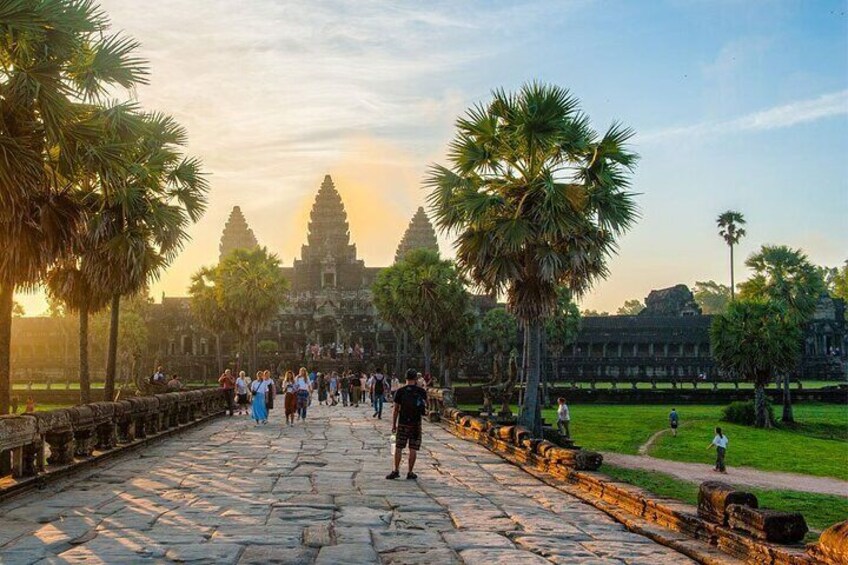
column 715, row 496
column 833, row 544
column 775, row 526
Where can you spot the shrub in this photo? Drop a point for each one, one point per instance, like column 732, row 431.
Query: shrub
column 744, row 413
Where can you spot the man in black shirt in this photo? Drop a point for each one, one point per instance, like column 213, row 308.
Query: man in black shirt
column 410, row 404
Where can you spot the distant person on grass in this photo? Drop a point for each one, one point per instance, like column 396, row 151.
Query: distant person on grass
column 720, row 443
column 410, row 404
column 563, row 418
column 673, row 421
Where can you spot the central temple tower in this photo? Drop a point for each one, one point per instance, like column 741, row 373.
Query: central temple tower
column 328, row 260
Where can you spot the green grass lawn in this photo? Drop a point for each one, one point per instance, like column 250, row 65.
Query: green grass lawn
column 818, row 445
column 687, row 385
column 820, row 510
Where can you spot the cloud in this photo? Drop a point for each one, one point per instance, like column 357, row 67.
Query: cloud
column 829, row 105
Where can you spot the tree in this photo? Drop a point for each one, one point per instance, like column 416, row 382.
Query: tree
column 142, row 223
column 499, row 331
column 593, row 313
column 207, row 310
column 387, row 303
column 428, row 295
column 267, row 347
column 756, row 339
column 560, row 331
column 250, row 289
column 837, row 284
column 133, row 334
column 631, row 307
column 711, row 296
column 536, row 199
column 785, row 276
column 59, row 62
column 729, row 229
column 69, row 283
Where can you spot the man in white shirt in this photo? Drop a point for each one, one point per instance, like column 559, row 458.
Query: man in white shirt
column 563, row 418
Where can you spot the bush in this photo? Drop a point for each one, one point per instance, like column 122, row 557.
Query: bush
column 744, row 413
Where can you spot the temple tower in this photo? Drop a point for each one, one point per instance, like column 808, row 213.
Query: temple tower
column 328, row 260
column 237, row 235
column 419, row 235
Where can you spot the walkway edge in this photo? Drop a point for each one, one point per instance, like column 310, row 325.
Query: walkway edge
column 705, row 543
column 22, row 486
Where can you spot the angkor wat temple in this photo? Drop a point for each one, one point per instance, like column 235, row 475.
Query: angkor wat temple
column 330, row 305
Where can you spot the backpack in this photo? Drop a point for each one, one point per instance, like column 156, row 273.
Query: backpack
column 379, row 384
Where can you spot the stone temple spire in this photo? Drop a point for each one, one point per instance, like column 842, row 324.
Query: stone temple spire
column 329, row 234
column 237, row 235
column 419, row 235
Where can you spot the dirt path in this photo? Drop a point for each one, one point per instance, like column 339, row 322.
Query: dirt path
column 744, row 476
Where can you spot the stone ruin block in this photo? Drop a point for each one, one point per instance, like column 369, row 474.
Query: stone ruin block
column 586, row 460
column 715, row 496
column 83, row 424
column 770, row 525
column 833, row 544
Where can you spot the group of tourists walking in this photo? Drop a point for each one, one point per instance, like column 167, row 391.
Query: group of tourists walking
column 255, row 397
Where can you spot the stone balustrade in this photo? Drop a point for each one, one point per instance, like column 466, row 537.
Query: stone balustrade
column 34, row 445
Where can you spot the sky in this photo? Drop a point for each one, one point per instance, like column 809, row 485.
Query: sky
column 737, row 105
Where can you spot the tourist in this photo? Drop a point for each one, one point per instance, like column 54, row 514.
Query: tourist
column 355, row 389
column 259, row 388
column 15, row 401
column 321, row 383
column 344, row 388
column 30, row 405
column 673, row 421
column 333, row 387
column 303, row 390
column 378, row 392
column 242, row 388
column 394, row 388
column 175, row 384
column 563, row 418
column 271, row 392
column 228, row 386
column 409, row 405
column 289, row 397
column 720, row 443
column 159, row 376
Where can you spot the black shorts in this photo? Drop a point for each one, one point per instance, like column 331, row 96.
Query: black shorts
column 242, row 398
column 408, row 434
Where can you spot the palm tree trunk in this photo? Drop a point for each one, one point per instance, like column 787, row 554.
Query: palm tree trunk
column 530, row 416
column 405, row 351
column 84, row 377
column 442, row 364
column 732, row 285
column 427, row 355
column 788, row 417
column 112, row 353
column 6, row 300
column 218, row 356
column 253, row 361
column 761, row 419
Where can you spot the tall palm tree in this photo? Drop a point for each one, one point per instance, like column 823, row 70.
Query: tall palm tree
column 143, row 222
column 729, row 229
column 536, row 198
column 57, row 62
column 206, row 309
column 69, row 283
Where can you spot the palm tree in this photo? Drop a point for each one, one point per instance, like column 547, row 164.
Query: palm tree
column 50, row 131
column 205, row 308
column 757, row 340
column 69, row 283
column 729, row 228
column 143, row 223
column 250, row 289
column 536, row 198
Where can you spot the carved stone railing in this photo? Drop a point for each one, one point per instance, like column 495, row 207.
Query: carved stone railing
column 729, row 521
column 35, row 445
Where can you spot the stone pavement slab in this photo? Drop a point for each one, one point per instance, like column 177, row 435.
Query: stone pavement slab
column 313, row 493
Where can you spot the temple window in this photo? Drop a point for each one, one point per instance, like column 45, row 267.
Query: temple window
column 328, row 280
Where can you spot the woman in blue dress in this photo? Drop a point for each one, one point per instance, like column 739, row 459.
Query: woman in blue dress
column 259, row 388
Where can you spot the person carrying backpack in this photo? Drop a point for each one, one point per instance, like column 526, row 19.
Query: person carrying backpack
column 378, row 391
column 410, row 404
